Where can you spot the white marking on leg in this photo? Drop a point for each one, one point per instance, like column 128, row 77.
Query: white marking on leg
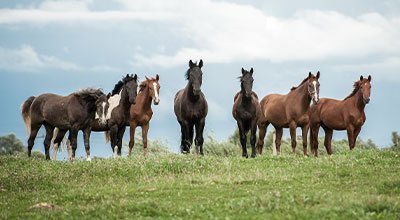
column 113, row 103
column 88, row 158
column 115, row 151
column 55, row 148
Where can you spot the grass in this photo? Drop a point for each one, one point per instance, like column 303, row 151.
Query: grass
column 350, row 184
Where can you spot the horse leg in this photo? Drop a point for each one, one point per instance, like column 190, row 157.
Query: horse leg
column 47, row 140
column 253, row 139
column 86, row 140
column 350, row 136
column 279, row 133
column 328, row 140
column 73, row 139
column 132, row 137
column 145, row 130
column 199, row 136
column 243, row 138
column 57, row 141
column 113, row 139
column 314, row 129
column 185, row 143
column 262, row 127
column 32, row 136
column 292, row 128
column 356, row 133
column 120, row 135
column 304, row 131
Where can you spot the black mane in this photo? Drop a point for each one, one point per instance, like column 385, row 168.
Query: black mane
column 356, row 87
column 121, row 83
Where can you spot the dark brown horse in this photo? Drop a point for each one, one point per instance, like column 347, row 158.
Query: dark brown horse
column 191, row 109
column 246, row 110
column 73, row 112
column 141, row 112
column 289, row 111
column 347, row 114
column 116, row 114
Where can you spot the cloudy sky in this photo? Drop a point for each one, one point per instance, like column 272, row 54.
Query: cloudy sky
column 62, row 46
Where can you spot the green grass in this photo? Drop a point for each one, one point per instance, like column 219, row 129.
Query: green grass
column 350, row 184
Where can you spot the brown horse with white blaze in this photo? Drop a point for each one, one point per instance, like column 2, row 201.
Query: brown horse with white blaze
column 347, row 114
column 141, row 112
column 289, row 111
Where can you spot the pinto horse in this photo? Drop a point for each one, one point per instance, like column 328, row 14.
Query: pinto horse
column 191, row 108
column 116, row 115
column 289, row 111
column 73, row 112
column 141, row 112
column 246, row 110
column 347, row 114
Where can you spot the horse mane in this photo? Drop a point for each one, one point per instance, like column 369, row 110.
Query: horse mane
column 356, row 87
column 120, row 84
column 89, row 94
column 302, row 82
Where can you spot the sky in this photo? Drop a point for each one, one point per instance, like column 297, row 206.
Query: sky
column 62, row 46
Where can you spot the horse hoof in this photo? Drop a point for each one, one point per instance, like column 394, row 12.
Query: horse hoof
column 253, row 155
column 88, row 159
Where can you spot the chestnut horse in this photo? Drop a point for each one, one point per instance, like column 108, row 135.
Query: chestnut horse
column 289, row 111
column 141, row 112
column 246, row 110
column 190, row 107
column 347, row 114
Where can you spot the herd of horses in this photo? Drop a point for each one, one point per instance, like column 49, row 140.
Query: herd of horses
column 129, row 104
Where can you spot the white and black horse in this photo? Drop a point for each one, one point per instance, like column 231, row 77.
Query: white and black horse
column 73, row 112
column 191, row 109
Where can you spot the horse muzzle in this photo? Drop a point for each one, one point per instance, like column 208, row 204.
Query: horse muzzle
column 366, row 100
column 156, row 101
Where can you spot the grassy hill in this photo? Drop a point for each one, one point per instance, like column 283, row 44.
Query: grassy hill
column 357, row 184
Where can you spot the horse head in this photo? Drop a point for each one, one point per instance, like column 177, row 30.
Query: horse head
column 130, row 85
column 313, row 87
column 154, row 89
column 102, row 106
column 246, row 82
column 194, row 75
column 365, row 87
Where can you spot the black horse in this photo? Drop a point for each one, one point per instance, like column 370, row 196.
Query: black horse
column 118, row 103
column 246, row 110
column 191, row 109
column 73, row 112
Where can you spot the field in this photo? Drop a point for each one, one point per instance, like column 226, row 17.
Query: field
column 358, row 184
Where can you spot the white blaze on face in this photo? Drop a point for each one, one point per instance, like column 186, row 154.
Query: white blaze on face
column 156, row 97
column 102, row 117
column 113, row 103
column 315, row 94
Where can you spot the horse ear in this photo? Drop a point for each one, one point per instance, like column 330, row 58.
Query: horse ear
column 251, row 70
column 147, row 79
column 309, row 74
column 191, row 64
column 242, row 70
column 318, row 74
column 108, row 95
column 361, row 77
column 135, row 77
column 369, row 78
column 157, row 77
column 201, row 63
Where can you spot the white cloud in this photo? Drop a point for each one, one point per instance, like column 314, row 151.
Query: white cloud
column 27, row 59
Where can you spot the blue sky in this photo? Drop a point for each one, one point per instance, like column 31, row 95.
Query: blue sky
column 62, row 46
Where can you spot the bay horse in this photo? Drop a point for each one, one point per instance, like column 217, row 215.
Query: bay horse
column 73, row 112
column 116, row 115
column 191, row 108
column 347, row 114
column 289, row 111
column 246, row 110
column 141, row 112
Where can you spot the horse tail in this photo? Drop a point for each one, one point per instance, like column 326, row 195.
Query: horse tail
column 26, row 113
column 107, row 136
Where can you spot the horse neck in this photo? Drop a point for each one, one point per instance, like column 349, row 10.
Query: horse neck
column 302, row 94
column 124, row 102
column 189, row 91
column 357, row 100
column 145, row 98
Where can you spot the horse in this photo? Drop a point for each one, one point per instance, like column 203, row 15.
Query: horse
column 289, row 111
column 141, row 112
column 116, row 115
column 347, row 114
column 191, row 108
column 246, row 110
column 73, row 112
